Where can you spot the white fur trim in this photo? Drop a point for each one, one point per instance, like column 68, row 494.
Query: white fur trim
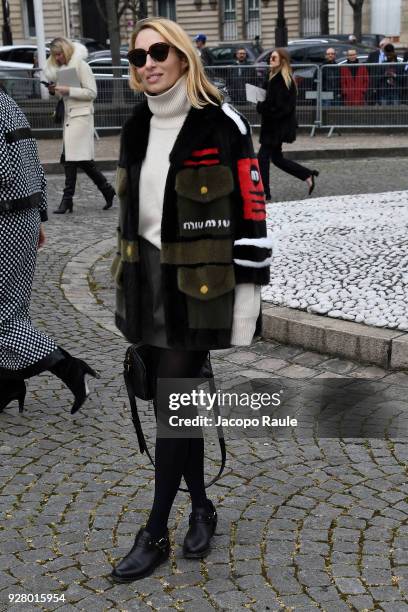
column 261, row 243
column 51, row 70
column 235, row 116
column 246, row 263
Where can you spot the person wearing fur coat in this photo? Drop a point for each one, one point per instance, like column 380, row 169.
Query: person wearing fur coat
column 78, row 123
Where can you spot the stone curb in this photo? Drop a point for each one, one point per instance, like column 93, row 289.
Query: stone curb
column 361, row 343
column 384, row 347
column 108, row 165
column 76, row 289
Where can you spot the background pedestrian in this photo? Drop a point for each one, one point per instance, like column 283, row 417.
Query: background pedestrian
column 278, row 122
column 78, row 123
column 200, row 41
column 24, row 350
column 354, row 80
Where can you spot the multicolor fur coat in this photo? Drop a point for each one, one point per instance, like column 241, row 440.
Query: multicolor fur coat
column 213, row 230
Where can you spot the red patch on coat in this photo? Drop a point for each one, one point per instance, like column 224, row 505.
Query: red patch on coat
column 252, row 190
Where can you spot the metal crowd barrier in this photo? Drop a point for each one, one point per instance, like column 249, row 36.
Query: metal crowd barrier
column 235, row 77
column 329, row 96
column 363, row 96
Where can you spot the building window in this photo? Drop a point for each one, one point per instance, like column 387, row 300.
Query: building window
column 310, row 17
column 229, row 20
column 167, row 8
column 29, row 20
column 252, row 19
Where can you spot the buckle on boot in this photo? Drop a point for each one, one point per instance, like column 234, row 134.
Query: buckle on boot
column 160, row 544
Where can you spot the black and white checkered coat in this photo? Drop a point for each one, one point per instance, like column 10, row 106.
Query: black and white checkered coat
column 22, row 180
column 24, row 350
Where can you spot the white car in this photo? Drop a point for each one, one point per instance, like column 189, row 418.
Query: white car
column 18, row 56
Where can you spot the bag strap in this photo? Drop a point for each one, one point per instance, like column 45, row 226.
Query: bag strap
column 142, row 441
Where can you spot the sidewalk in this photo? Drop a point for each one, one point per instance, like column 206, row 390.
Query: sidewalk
column 305, row 522
column 362, row 144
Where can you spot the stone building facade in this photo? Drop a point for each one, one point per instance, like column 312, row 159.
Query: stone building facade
column 220, row 20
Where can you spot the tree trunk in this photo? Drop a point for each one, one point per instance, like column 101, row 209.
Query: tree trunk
column 324, row 17
column 114, row 43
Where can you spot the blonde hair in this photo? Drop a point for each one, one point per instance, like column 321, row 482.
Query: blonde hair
column 200, row 91
column 285, row 68
column 63, row 45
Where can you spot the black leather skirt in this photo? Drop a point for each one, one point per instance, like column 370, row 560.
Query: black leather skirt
column 152, row 323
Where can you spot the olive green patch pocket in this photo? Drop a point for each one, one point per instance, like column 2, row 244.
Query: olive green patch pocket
column 209, row 294
column 203, row 202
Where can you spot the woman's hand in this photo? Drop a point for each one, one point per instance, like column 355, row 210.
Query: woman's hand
column 41, row 237
column 62, row 90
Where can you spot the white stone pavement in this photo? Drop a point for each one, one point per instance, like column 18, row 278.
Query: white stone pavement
column 345, row 257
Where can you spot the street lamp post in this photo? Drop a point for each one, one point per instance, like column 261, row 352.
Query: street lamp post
column 7, row 35
column 281, row 31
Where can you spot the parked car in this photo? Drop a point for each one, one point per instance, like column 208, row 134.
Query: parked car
column 224, row 53
column 311, row 41
column 363, row 57
column 305, row 53
column 22, row 56
column 18, row 56
column 369, row 40
column 19, row 84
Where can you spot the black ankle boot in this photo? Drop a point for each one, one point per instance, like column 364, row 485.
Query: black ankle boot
column 11, row 390
column 203, row 522
column 72, row 372
column 146, row 554
column 66, row 205
column 108, row 193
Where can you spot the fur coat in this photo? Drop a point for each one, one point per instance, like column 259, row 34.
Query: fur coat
column 213, row 232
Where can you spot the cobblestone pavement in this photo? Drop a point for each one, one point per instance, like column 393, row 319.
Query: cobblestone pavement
column 303, row 524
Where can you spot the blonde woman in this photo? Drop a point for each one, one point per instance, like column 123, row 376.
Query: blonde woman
column 278, row 123
column 78, row 122
column 193, row 254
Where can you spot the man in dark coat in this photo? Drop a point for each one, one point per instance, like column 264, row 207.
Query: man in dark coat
column 330, row 80
column 244, row 73
column 376, row 72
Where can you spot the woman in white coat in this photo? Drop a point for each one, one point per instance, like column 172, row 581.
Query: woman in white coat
column 78, row 134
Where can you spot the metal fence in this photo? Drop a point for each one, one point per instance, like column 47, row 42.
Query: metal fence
column 364, row 96
column 329, row 96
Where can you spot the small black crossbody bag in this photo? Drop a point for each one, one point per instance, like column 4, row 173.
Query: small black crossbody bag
column 140, row 386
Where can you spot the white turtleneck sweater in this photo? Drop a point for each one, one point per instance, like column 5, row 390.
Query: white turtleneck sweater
column 169, row 112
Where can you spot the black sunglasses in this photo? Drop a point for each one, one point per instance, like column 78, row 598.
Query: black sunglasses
column 158, row 52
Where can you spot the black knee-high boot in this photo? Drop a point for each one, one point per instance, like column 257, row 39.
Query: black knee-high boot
column 108, row 192
column 70, row 169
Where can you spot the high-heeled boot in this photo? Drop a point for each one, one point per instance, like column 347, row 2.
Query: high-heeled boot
column 108, row 193
column 65, row 205
column 70, row 169
column 72, row 372
column 11, row 390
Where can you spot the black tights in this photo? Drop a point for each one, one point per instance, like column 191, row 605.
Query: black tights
column 274, row 154
column 176, row 458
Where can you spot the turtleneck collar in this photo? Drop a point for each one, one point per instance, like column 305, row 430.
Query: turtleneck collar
column 172, row 104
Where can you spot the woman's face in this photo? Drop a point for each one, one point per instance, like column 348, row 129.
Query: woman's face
column 274, row 60
column 59, row 57
column 156, row 76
